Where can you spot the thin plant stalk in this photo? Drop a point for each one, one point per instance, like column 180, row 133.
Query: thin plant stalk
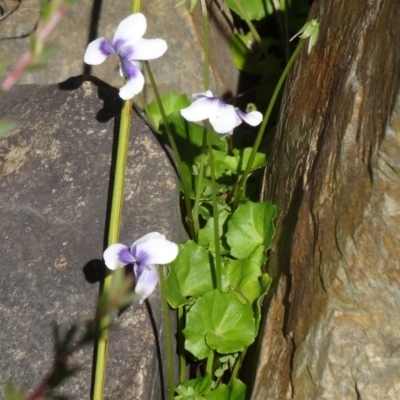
column 206, row 45
column 204, row 143
column 210, row 363
column 168, row 338
column 218, row 273
column 189, row 218
column 240, row 187
column 113, row 236
column 236, row 367
column 181, row 345
column 136, row 6
column 252, row 28
column 199, row 186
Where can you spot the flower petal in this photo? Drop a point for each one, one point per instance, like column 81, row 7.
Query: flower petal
column 129, row 30
column 155, row 251
column 145, row 49
column 133, row 86
column 117, row 255
column 200, row 109
column 200, row 95
column 224, row 119
column 252, row 118
column 97, row 51
column 145, row 238
column 146, row 282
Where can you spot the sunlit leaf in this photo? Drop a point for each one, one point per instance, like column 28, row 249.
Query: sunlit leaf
column 171, row 102
column 250, row 227
column 189, row 274
column 218, row 321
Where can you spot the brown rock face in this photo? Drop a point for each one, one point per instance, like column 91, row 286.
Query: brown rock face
column 332, row 325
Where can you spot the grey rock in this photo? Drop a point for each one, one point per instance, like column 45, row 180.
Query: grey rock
column 55, row 179
column 180, row 69
column 333, row 322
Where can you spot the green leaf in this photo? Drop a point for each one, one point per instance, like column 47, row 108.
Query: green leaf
column 218, row 321
column 187, row 393
column 200, row 385
column 206, row 234
column 189, row 138
column 238, row 390
column 220, row 393
column 171, row 102
column 189, row 275
column 243, row 276
column 250, row 227
column 255, row 9
column 265, row 284
column 6, row 127
column 238, row 162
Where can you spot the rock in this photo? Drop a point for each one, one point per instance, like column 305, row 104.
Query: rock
column 333, row 322
column 180, row 69
column 55, row 179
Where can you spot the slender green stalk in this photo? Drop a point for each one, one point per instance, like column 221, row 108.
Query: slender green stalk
column 113, row 236
column 210, row 363
column 206, row 45
column 199, row 186
column 204, row 144
column 181, row 345
column 240, row 187
column 218, row 273
column 236, row 367
column 136, row 6
column 252, row 28
column 168, row 338
column 189, row 218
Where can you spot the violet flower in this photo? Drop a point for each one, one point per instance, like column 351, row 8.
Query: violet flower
column 129, row 46
column 223, row 117
column 144, row 254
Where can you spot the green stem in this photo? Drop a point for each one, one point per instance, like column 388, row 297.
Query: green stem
column 181, row 345
column 210, row 363
column 189, row 218
column 150, row 119
column 113, row 236
column 236, row 367
column 240, row 187
column 204, row 144
column 252, row 28
column 218, row 272
column 136, row 6
column 168, row 338
column 206, row 45
column 199, row 186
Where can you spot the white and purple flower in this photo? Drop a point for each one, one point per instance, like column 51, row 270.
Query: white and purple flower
column 129, row 46
column 223, row 117
column 144, row 254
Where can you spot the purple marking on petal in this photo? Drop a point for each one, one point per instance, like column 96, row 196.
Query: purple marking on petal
column 141, row 258
column 131, row 70
column 241, row 114
column 106, row 48
column 126, row 257
column 127, row 52
column 118, row 45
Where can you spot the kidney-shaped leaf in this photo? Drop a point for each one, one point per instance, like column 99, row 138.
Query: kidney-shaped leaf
column 251, row 226
column 189, row 274
column 218, row 321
